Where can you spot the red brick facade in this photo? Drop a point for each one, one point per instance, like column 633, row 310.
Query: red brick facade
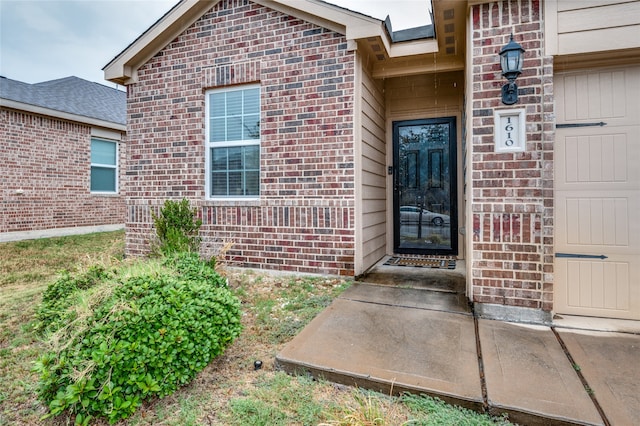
column 46, row 170
column 303, row 220
column 512, row 195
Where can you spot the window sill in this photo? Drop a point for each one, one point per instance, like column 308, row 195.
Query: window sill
column 232, row 202
column 105, row 194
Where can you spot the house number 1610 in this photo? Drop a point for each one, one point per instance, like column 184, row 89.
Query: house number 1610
column 509, row 130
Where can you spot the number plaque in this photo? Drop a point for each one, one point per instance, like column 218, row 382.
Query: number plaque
column 509, row 130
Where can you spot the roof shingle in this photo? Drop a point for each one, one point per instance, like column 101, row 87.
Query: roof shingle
column 71, row 95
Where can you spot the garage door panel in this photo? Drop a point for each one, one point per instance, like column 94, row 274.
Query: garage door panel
column 597, row 193
column 598, row 287
column 597, row 222
column 598, row 158
column 596, row 96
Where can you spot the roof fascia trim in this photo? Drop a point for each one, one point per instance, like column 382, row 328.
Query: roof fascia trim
column 327, row 12
column 410, row 48
column 20, row 106
column 123, row 69
column 293, row 8
column 353, row 25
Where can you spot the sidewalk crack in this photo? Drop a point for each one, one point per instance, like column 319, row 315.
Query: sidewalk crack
column 583, row 379
column 483, row 382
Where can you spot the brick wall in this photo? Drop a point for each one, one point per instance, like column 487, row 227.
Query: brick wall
column 49, row 159
column 304, row 218
column 512, row 193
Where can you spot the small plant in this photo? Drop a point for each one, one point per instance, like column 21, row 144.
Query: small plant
column 278, row 399
column 434, row 411
column 368, row 412
column 177, row 228
column 282, row 315
column 256, row 413
column 191, row 267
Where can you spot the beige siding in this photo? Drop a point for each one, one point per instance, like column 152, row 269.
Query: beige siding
column 373, row 160
column 428, row 96
column 578, row 26
column 425, row 96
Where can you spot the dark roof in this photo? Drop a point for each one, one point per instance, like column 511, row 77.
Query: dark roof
column 71, row 95
column 410, row 34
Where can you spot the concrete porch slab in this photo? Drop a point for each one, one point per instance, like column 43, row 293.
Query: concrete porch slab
column 529, row 376
column 390, row 348
column 431, row 279
column 422, row 339
column 610, row 363
column 408, row 297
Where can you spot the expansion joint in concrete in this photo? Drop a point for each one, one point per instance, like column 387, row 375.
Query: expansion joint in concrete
column 583, row 380
column 483, row 382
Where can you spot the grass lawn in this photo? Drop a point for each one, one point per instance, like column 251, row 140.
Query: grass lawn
column 229, row 391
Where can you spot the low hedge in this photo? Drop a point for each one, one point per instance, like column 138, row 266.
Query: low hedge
column 131, row 336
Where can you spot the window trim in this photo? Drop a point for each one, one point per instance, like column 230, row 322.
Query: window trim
column 208, row 145
column 116, row 167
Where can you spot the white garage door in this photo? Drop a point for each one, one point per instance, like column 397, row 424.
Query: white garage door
column 597, row 193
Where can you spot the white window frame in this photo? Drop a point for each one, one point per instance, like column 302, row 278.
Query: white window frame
column 116, row 167
column 209, row 144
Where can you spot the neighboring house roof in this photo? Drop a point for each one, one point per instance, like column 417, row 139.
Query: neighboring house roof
column 70, row 98
column 354, row 25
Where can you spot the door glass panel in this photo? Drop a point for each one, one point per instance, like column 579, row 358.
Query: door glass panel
column 423, row 190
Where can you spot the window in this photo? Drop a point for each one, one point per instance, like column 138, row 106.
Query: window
column 104, row 166
column 233, row 142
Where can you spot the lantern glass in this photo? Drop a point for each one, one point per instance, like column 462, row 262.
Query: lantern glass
column 511, row 59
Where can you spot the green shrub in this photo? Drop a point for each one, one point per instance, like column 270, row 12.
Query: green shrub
column 54, row 311
column 177, row 228
column 146, row 335
column 191, row 267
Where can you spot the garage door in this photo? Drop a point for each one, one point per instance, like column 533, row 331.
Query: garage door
column 597, row 193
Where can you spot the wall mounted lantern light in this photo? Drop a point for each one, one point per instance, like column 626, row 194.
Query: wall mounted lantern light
column 511, row 59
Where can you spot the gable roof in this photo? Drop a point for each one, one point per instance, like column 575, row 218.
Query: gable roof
column 70, row 98
column 354, row 25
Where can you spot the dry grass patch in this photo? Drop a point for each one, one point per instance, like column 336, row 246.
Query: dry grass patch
column 229, row 391
column 26, row 268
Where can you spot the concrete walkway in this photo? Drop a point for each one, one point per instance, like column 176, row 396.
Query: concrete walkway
column 426, row 340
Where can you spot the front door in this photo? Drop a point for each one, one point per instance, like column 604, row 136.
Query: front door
column 424, row 172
